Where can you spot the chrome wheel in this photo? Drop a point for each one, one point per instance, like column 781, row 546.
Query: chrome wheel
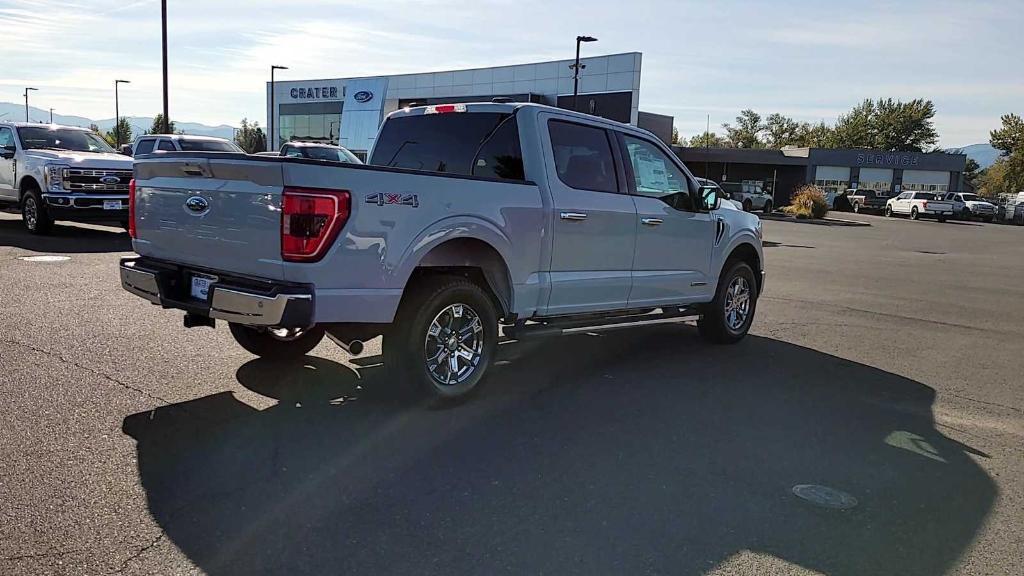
column 737, row 303
column 454, row 344
column 30, row 212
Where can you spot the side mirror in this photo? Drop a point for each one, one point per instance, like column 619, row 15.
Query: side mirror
column 7, row 152
column 126, row 149
column 709, row 199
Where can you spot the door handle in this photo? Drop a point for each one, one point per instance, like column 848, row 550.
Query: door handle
column 651, row 221
column 573, row 216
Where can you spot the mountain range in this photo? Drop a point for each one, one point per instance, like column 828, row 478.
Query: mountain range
column 16, row 112
column 984, row 154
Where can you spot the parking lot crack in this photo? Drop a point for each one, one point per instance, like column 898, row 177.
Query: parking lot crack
column 103, row 375
column 139, row 552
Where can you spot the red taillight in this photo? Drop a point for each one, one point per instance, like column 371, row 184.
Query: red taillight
column 310, row 221
column 925, row 205
column 131, row 208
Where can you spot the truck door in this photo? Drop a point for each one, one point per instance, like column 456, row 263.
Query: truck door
column 7, row 183
column 594, row 219
column 674, row 238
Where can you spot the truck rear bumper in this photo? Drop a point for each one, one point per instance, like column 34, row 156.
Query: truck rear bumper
column 246, row 301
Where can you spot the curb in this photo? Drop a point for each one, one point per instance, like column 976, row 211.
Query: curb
column 820, row 222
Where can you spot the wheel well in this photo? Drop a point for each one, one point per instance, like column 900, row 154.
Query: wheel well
column 477, row 261
column 746, row 253
column 27, row 183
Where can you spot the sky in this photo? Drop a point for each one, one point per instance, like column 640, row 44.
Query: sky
column 811, row 60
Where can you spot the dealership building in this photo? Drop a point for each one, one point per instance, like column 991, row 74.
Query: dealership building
column 348, row 111
column 833, row 170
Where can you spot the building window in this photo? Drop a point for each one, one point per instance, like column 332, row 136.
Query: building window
column 832, row 186
column 915, row 187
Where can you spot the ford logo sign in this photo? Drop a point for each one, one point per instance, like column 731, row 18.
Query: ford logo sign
column 363, row 96
column 197, row 204
column 110, row 180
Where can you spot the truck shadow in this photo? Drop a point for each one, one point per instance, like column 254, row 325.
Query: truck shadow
column 633, row 453
column 65, row 238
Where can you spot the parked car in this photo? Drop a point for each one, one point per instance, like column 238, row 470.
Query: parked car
column 727, row 200
column 969, row 206
column 1014, row 213
column 152, row 143
column 436, row 241
column 750, row 196
column 866, row 199
column 54, row 172
column 919, row 205
column 319, row 151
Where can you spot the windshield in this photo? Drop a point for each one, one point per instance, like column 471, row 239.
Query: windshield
column 47, row 138
column 207, row 146
column 972, row 198
column 327, row 153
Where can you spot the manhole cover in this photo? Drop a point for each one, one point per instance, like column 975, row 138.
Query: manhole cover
column 47, row 258
column 825, row 496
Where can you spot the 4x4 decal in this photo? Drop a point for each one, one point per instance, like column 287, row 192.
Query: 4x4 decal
column 382, row 199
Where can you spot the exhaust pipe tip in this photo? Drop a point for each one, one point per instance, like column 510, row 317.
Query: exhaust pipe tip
column 355, row 347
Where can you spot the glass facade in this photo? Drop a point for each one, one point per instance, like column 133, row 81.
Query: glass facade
column 915, row 187
column 832, row 186
column 319, row 122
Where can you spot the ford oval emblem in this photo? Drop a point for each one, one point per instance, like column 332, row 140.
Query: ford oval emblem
column 197, row 204
column 110, row 180
column 363, row 96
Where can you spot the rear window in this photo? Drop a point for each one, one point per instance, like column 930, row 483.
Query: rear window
column 144, row 146
column 583, row 156
column 470, row 144
column 924, row 196
column 207, row 146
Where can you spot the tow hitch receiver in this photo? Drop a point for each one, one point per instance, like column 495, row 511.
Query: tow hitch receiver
column 197, row 320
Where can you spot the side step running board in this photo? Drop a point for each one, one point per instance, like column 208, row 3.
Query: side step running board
column 568, row 325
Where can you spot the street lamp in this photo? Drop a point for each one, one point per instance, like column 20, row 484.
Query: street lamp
column 117, row 112
column 26, row 102
column 577, row 66
column 163, row 30
column 51, row 115
column 271, row 142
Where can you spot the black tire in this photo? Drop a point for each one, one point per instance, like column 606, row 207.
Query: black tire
column 965, row 214
column 988, row 219
column 913, row 213
column 767, row 208
column 34, row 214
column 713, row 324
column 405, row 348
column 748, row 206
column 941, row 219
column 888, row 211
column 265, row 344
column 856, row 207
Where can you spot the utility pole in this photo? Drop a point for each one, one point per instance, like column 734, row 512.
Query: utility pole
column 117, row 112
column 26, row 102
column 271, row 141
column 163, row 24
column 51, row 115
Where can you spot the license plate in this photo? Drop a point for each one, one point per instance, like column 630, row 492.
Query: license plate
column 111, row 204
column 201, row 286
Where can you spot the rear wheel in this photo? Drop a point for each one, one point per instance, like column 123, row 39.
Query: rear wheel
column 728, row 317
column 277, row 343
column 965, row 214
column 767, row 208
column 942, row 219
column 33, row 213
column 888, row 211
column 748, row 205
column 856, row 207
column 444, row 337
column 987, row 219
column 913, row 213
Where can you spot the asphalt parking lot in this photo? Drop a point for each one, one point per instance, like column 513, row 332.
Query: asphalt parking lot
column 885, row 361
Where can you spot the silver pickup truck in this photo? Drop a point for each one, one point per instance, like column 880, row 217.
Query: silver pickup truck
column 466, row 218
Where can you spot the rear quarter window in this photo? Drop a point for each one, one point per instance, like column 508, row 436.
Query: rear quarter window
column 466, row 143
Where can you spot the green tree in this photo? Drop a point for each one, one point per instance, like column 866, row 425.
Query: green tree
column 855, row 128
column 94, row 128
column 747, row 131
column 707, row 139
column 1010, row 137
column 250, row 137
column 904, row 126
column 781, row 131
column 675, row 136
column 972, row 171
column 158, row 126
column 818, row 135
column 121, row 132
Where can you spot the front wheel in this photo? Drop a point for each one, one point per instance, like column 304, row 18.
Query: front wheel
column 748, row 206
column 941, row 219
column 728, row 317
column 965, row 214
column 277, row 343
column 856, row 207
column 888, row 211
column 444, row 337
column 33, row 213
column 767, row 208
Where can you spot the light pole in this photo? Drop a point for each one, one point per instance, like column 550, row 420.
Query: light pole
column 117, row 112
column 271, row 141
column 51, row 115
column 163, row 26
column 26, row 102
column 577, row 66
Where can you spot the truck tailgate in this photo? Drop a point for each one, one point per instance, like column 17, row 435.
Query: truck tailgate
column 215, row 213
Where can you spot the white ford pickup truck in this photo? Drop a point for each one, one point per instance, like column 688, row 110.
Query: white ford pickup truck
column 62, row 173
column 467, row 217
column 919, row 205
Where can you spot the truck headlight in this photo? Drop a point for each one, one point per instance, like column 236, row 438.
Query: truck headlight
column 55, row 175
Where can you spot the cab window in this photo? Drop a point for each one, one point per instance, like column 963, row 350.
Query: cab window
column 656, row 175
column 145, row 146
column 6, row 137
column 166, row 146
column 583, row 156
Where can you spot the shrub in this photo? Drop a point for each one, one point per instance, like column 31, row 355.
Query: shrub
column 807, row 202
